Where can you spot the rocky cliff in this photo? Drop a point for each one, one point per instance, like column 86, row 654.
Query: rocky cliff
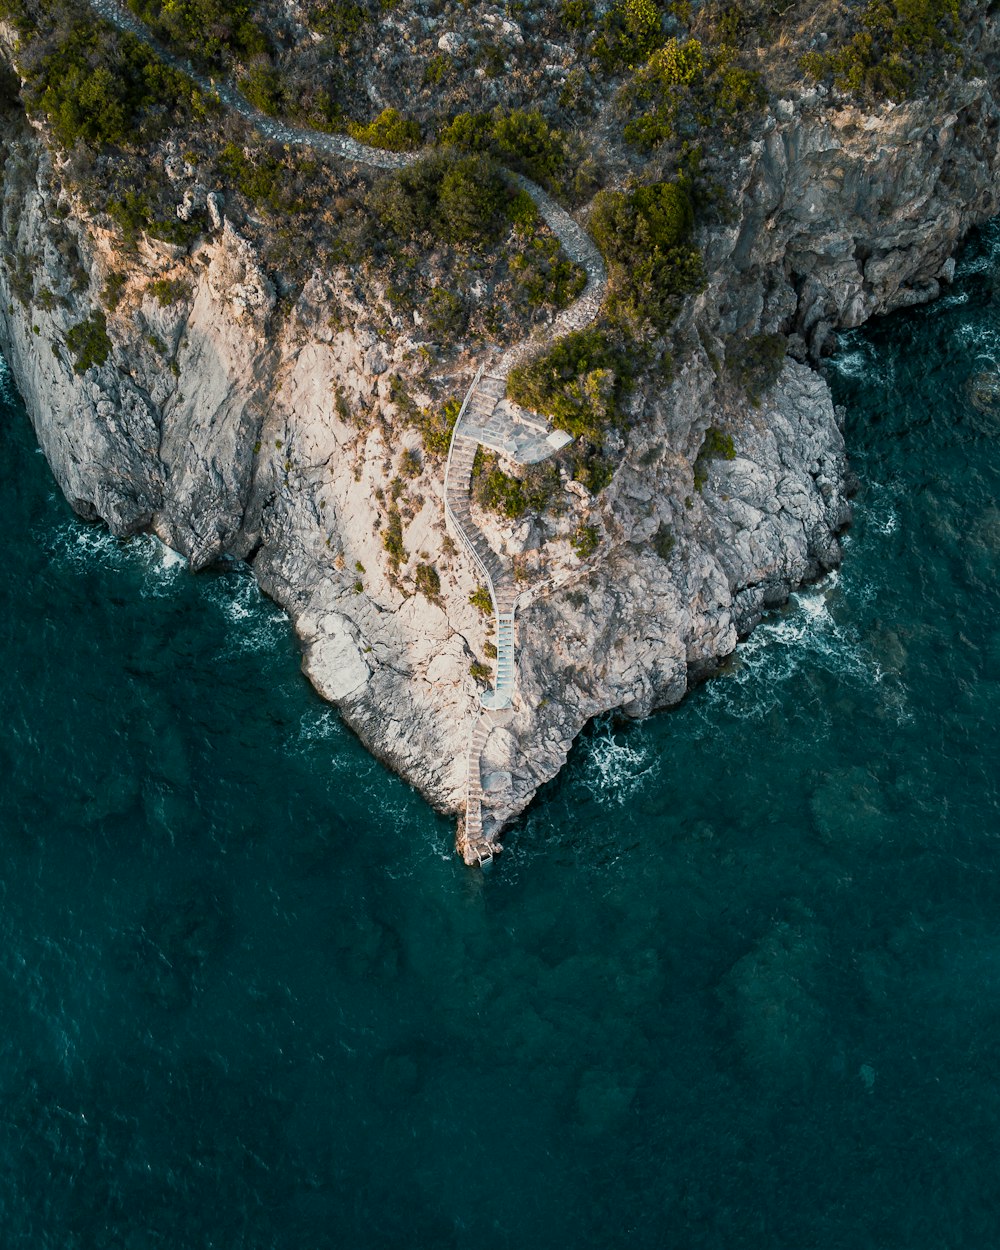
column 222, row 422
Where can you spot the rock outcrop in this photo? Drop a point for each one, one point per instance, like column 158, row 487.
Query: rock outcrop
column 213, row 422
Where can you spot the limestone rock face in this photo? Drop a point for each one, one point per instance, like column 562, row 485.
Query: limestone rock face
column 233, row 430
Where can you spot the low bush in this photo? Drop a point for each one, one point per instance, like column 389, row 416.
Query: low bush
column 523, row 140
column 436, row 426
column 579, row 383
column 113, row 289
column 339, row 21
column 585, row 540
column 392, row 539
column 645, row 237
column 167, row 291
column 543, row 275
column 756, row 363
column 628, row 33
column 663, row 541
column 88, row 342
column 480, row 598
column 443, row 313
column 899, row 46
column 512, row 497
column 210, row 32
column 459, row 198
column 390, row 130
column 277, row 185
column 99, row 86
column 716, row 445
column 685, row 88
column 427, row 581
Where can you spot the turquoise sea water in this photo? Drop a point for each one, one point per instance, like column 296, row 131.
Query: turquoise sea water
column 734, row 983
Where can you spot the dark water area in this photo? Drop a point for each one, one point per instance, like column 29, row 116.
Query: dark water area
column 735, row 982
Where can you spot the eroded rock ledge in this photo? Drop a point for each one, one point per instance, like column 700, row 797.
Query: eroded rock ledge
column 236, row 448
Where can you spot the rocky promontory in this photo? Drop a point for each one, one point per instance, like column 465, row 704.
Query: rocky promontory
column 237, row 414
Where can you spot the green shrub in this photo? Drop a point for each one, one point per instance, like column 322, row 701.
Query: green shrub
column 899, row 45
column 756, row 362
column 512, row 497
column 99, row 86
column 716, row 445
column 390, row 130
column 436, row 426
column 167, row 291
column 410, row 463
column 392, row 539
column 208, row 31
column 685, row 88
column 490, row 650
column 459, row 198
column 523, row 140
column 437, row 69
column 472, row 199
column 279, row 186
column 645, row 237
column 481, row 599
column 444, row 313
column 88, row 342
column 114, row 287
column 585, row 540
column 480, row 671
column 264, row 87
column 577, row 15
column 579, row 383
column 663, row 541
column 427, row 581
column 340, row 21
column 543, row 275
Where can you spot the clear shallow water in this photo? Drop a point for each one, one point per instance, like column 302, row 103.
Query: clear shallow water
column 734, row 983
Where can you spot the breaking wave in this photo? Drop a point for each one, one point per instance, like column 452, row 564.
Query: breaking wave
column 617, row 765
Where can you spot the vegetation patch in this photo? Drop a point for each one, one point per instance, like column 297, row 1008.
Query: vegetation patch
column 390, row 130
column 756, row 363
column 510, row 496
column 899, row 46
column 481, row 599
column 392, row 538
column 580, row 383
column 459, row 198
column 88, row 342
column 167, row 291
column 98, row 86
column 210, row 32
column 716, row 445
column 523, row 140
column 685, row 88
column 436, row 425
column 585, row 540
column 645, row 236
column 427, row 581
column 628, row 34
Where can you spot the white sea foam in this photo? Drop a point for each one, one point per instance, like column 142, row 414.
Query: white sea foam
column 258, row 624
column 617, row 766
column 881, row 518
column 79, row 547
column 856, row 360
column 802, row 636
